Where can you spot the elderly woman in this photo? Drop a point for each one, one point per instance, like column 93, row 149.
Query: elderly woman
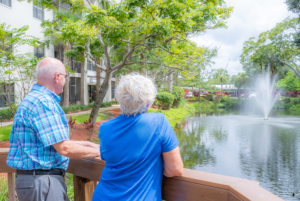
column 138, row 147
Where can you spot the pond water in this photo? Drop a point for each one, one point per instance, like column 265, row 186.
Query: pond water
column 240, row 144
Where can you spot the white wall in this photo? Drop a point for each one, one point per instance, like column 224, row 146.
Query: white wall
column 19, row 15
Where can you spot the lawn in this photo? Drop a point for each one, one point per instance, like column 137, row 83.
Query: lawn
column 83, row 118
column 5, row 130
column 5, row 133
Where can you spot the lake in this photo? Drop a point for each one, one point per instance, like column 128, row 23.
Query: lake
column 242, row 144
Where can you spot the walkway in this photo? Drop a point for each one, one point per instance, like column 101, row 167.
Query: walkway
column 103, row 109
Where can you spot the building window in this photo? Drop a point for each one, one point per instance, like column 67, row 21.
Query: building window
column 76, row 66
column 91, row 66
column 38, row 12
column 6, row 2
column 4, row 94
column 39, row 52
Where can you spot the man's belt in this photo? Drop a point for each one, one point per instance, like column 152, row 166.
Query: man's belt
column 42, row 172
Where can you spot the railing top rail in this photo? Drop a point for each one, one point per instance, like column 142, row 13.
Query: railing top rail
column 177, row 188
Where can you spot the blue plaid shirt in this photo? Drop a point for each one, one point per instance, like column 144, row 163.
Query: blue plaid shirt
column 39, row 123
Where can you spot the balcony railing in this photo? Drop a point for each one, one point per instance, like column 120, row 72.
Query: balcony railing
column 193, row 185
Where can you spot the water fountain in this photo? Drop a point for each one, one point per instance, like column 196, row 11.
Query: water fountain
column 266, row 93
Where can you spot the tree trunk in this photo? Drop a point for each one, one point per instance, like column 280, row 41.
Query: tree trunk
column 102, row 93
column 164, row 81
column 170, row 80
column 176, row 78
column 83, row 84
column 98, row 84
column 67, row 85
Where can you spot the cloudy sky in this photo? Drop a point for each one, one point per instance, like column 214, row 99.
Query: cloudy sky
column 249, row 19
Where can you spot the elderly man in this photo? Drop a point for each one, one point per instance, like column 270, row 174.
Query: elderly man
column 39, row 141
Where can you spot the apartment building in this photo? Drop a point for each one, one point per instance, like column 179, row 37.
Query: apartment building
column 18, row 14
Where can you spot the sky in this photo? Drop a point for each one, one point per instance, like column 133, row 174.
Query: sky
column 248, row 19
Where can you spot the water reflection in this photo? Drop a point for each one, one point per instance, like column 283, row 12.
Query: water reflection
column 231, row 143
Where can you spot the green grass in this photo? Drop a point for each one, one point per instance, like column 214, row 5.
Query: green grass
column 5, row 133
column 175, row 115
column 5, row 130
column 3, row 189
column 83, row 118
column 70, row 186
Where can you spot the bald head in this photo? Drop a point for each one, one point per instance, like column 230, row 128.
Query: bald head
column 50, row 73
column 48, row 66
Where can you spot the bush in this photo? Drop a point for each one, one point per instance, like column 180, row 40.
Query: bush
column 106, row 104
column 84, row 107
column 164, row 99
column 6, row 114
column 209, row 97
column 296, row 101
column 287, row 100
column 91, row 104
column 114, row 102
column 178, row 94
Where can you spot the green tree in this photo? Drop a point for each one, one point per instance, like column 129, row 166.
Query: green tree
column 128, row 29
column 289, row 83
column 16, row 69
column 274, row 49
column 240, row 80
column 220, row 76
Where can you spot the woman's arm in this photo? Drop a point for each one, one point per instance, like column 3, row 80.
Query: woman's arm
column 173, row 163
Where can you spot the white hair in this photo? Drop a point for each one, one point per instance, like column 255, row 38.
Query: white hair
column 135, row 93
column 49, row 69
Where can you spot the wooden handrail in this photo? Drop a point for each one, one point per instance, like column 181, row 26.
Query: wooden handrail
column 193, row 185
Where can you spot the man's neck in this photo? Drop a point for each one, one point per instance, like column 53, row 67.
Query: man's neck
column 50, row 87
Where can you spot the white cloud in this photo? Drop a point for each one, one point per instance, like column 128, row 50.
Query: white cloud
column 249, row 19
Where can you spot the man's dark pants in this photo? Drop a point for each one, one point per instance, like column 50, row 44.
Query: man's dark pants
column 41, row 188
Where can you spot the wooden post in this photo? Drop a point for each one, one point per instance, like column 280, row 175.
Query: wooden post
column 83, row 188
column 11, row 186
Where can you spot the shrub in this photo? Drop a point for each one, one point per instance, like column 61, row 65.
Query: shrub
column 296, row 101
column 178, row 94
column 6, row 114
column 91, row 104
column 114, row 102
column 287, row 100
column 164, row 99
column 209, row 97
column 84, row 107
column 106, row 104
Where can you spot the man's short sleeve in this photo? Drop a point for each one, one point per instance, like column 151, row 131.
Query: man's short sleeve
column 50, row 125
column 169, row 139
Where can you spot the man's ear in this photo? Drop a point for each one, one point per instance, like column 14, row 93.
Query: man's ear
column 56, row 77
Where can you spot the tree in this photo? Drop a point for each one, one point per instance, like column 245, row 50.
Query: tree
column 289, row 83
column 242, row 79
column 54, row 36
column 221, row 76
column 16, row 69
column 274, row 48
column 128, row 29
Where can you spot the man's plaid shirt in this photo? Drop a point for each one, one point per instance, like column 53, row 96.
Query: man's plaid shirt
column 39, row 123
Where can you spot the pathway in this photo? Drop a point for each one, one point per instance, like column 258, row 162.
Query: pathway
column 103, row 109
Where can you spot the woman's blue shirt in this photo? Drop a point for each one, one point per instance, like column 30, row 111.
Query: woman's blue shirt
column 132, row 149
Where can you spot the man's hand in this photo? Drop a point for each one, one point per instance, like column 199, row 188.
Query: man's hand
column 77, row 150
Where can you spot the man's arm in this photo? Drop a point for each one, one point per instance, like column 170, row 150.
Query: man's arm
column 88, row 144
column 76, row 150
column 173, row 163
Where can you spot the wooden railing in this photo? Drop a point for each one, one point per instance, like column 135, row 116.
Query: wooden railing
column 193, row 185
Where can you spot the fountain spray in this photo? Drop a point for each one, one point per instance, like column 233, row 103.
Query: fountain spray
column 266, row 93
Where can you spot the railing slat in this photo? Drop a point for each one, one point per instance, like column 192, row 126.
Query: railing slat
column 83, row 188
column 11, row 186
